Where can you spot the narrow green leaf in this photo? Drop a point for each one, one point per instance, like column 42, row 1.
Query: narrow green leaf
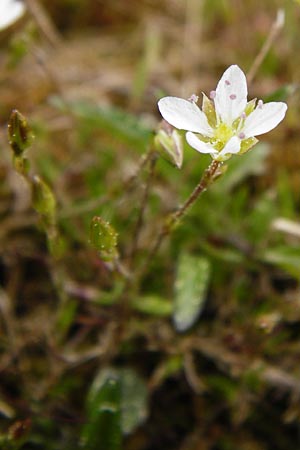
column 153, row 305
column 190, row 290
column 282, row 94
column 125, row 127
column 117, row 403
column 133, row 401
column 103, row 428
column 285, row 257
column 103, row 238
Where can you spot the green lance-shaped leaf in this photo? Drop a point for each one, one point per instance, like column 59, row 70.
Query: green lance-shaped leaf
column 133, row 401
column 190, row 290
column 43, row 199
column 103, row 428
column 153, row 305
column 19, row 133
column 103, row 238
column 128, row 395
column 284, row 256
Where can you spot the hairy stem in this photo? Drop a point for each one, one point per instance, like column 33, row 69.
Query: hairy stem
column 174, row 218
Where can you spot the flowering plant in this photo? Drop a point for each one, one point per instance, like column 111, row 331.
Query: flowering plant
column 227, row 123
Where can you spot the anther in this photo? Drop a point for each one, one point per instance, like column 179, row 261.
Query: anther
column 193, row 98
column 212, row 94
column 260, row 104
column 242, row 135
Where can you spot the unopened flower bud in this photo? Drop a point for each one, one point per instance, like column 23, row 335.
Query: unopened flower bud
column 19, row 133
column 168, row 142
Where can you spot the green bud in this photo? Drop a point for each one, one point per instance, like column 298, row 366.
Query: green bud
column 169, row 145
column 43, row 199
column 19, row 133
column 103, row 238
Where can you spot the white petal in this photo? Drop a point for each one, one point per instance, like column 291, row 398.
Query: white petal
column 10, row 12
column 200, row 146
column 231, row 94
column 184, row 115
column 233, row 146
column 264, row 118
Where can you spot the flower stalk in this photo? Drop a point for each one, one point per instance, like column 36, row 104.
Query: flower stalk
column 209, row 175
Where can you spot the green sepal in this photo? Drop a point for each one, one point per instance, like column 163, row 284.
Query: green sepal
column 209, row 110
column 246, row 144
column 250, row 106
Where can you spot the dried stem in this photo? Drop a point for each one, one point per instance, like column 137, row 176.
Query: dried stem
column 44, row 22
column 275, row 29
column 90, row 205
column 142, row 209
column 142, row 163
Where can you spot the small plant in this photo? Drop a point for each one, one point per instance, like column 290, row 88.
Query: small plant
column 149, row 294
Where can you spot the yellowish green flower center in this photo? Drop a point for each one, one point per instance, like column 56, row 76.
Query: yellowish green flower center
column 222, row 134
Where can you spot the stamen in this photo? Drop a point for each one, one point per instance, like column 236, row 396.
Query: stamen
column 260, row 104
column 227, row 82
column 241, row 121
column 241, row 135
column 193, row 98
column 212, row 94
column 232, row 97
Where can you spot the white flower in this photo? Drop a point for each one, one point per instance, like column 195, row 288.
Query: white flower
column 10, row 12
column 227, row 123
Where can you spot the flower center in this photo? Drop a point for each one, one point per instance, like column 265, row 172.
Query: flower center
column 223, row 133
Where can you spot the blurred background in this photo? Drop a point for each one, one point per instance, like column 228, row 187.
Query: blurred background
column 87, row 359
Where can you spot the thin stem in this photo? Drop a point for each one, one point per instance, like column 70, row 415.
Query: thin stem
column 276, row 27
column 144, row 160
column 192, row 35
column 44, row 22
column 76, row 210
column 142, row 209
column 174, row 218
